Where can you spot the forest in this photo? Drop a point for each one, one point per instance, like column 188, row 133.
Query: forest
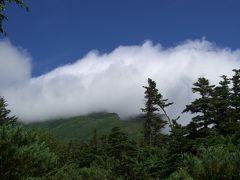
column 206, row 148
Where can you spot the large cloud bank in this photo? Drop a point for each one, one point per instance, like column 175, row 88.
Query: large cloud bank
column 110, row 82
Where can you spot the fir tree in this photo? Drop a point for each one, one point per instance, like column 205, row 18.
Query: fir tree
column 202, row 107
column 221, row 102
column 153, row 123
column 235, row 95
column 124, row 153
column 177, row 145
column 23, row 155
column 5, row 118
column 117, row 141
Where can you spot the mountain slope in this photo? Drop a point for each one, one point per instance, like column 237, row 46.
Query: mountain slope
column 80, row 129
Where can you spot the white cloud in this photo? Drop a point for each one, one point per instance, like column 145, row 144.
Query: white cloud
column 113, row 82
column 15, row 64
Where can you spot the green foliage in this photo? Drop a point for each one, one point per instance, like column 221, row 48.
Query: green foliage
column 94, row 173
column 54, row 145
column 83, row 155
column 117, row 156
column 94, row 140
column 153, row 123
column 152, row 162
column 5, row 118
column 72, row 172
column 235, row 95
column 66, row 172
column 177, row 146
column 23, row 155
column 181, row 174
column 203, row 107
column 214, row 162
column 117, row 141
column 218, row 108
column 3, row 5
column 124, row 152
column 81, row 129
column 221, row 102
column 207, row 148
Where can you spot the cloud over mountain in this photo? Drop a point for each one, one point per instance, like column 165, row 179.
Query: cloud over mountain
column 112, row 81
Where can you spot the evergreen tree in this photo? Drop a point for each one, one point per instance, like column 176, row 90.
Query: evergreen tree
column 177, row 146
column 23, row 155
column 214, row 162
column 124, row 152
column 5, row 118
column 235, row 95
column 153, row 123
column 202, row 107
column 117, row 141
column 232, row 126
column 221, row 102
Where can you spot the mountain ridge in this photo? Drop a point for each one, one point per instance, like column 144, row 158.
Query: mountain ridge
column 81, row 128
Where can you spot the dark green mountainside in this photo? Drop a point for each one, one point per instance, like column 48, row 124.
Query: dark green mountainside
column 81, row 128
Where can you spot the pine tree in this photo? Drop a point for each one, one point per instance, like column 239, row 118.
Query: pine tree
column 116, row 141
column 221, row 102
column 124, row 152
column 153, row 123
column 235, row 95
column 177, row 145
column 203, row 107
column 4, row 114
column 232, row 124
column 23, row 155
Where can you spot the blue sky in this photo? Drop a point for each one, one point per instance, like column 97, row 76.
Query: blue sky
column 200, row 38
column 59, row 32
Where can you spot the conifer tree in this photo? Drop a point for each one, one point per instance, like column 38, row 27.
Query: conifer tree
column 235, row 95
column 5, row 118
column 202, row 107
column 23, row 155
column 221, row 102
column 153, row 123
column 116, row 141
column 177, row 145
column 124, row 152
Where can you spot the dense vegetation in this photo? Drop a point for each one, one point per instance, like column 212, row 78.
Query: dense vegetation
column 81, row 129
column 207, row 148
